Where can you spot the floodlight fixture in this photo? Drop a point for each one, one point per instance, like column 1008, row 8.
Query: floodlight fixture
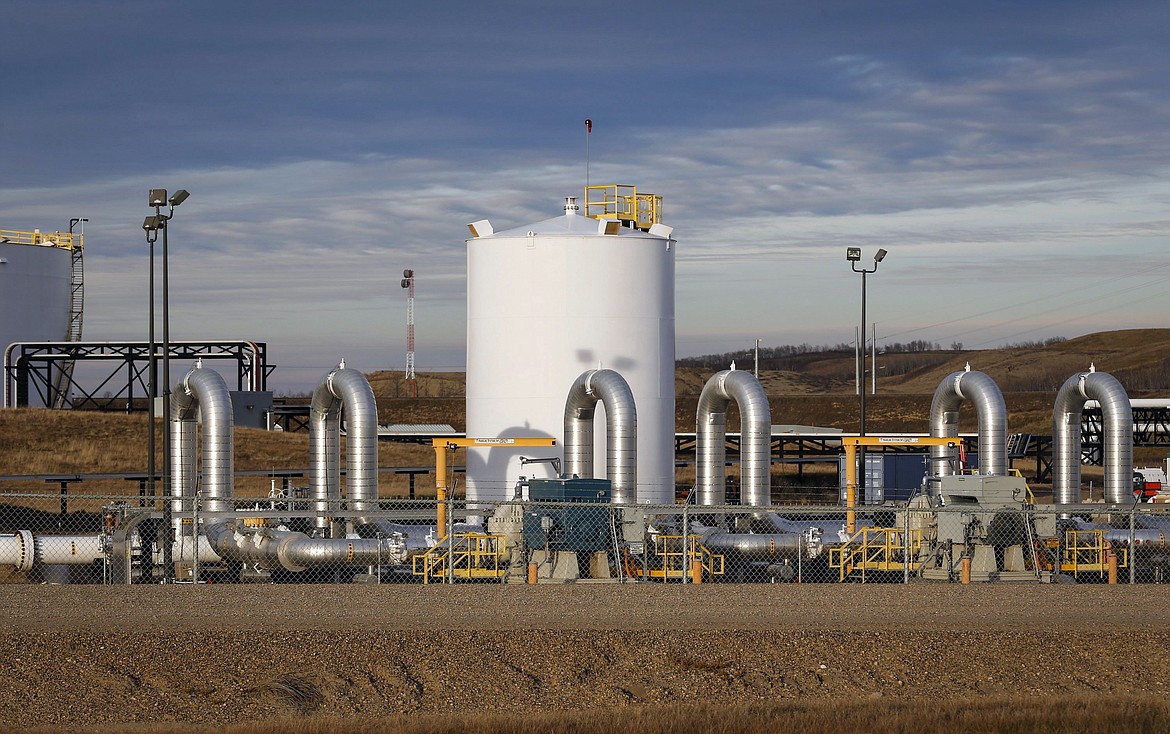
column 180, row 196
column 881, row 255
column 152, row 223
column 158, row 197
column 853, row 254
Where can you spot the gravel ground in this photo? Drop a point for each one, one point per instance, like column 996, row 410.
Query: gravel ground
column 87, row 656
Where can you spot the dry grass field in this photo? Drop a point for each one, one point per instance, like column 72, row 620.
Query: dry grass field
column 39, row 441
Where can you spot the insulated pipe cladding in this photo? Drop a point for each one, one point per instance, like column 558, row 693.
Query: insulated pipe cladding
column 1117, row 415
column 271, row 548
column 201, row 391
column 990, row 411
column 755, row 439
column 348, row 389
column 621, row 431
column 22, row 550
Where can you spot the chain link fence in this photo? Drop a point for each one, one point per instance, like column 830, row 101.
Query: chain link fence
column 290, row 537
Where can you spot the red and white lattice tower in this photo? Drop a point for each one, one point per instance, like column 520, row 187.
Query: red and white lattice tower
column 408, row 284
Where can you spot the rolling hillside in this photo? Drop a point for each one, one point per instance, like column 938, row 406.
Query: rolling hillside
column 818, row 392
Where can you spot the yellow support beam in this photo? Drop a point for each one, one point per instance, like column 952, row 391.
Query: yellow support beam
column 443, row 445
column 852, row 442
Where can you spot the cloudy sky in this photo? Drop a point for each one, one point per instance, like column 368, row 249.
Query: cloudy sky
column 1012, row 157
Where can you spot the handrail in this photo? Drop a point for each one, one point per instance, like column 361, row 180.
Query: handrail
column 64, row 240
column 623, row 202
column 875, row 549
column 470, row 555
column 1087, row 551
column 677, row 559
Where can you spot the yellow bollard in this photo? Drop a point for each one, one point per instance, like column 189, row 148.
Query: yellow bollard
column 532, row 574
column 965, row 573
column 1111, row 561
column 696, row 572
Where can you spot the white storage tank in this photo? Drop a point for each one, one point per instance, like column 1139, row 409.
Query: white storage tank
column 34, row 290
column 548, row 301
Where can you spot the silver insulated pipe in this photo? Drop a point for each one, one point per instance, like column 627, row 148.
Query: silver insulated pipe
column 755, row 439
column 1117, row 415
column 621, row 431
column 990, row 410
column 348, row 389
column 201, row 392
column 272, row 548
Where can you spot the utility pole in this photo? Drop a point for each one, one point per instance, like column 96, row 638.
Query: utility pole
column 408, row 284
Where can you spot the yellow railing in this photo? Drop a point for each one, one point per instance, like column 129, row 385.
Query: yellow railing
column 875, row 549
column 623, row 202
column 675, row 562
column 1031, row 497
column 1087, row 551
column 470, row 556
column 64, row 240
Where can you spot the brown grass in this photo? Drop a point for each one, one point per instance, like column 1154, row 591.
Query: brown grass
column 66, row 442
column 1074, row 714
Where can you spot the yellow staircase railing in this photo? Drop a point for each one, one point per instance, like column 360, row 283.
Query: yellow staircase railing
column 468, row 557
column 875, row 549
column 1087, row 551
column 677, row 562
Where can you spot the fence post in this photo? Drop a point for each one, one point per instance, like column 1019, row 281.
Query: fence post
column 686, row 544
column 195, row 536
column 906, row 547
column 800, row 551
column 1132, row 548
column 450, row 530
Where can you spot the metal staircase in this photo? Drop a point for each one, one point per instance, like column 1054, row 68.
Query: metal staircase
column 64, row 377
column 875, row 550
column 466, row 557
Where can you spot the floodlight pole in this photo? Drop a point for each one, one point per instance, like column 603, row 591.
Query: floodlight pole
column 152, row 387
column 853, row 254
column 157, row 199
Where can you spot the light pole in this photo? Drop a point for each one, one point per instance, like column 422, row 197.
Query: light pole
column 151, row 225
column 756, row 368
column 853, row 255
column 158, row 199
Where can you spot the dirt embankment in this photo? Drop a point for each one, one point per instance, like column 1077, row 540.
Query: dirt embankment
column 86, row 656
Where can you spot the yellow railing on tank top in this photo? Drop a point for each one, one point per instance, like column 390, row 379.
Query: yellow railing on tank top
column 622, row 202
column 64, row 240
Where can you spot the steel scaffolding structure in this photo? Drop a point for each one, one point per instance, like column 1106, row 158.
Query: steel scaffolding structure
column 34, row 369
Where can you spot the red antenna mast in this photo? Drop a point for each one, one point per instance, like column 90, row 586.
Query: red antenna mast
column 408, row 284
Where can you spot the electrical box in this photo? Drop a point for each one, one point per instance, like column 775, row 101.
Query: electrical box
column 560, row 525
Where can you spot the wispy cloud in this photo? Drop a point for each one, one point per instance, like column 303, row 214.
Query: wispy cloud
column 327, row 150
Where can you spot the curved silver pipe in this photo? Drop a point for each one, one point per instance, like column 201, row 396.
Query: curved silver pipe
column 201, row 393
column 621, row 431
column 271, row 548
column 348, row 389
column 990, row 410
column 1066, row 437
column 755, row 445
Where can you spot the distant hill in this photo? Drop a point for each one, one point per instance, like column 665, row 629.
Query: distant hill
column 817, row 391
column 817, row 388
